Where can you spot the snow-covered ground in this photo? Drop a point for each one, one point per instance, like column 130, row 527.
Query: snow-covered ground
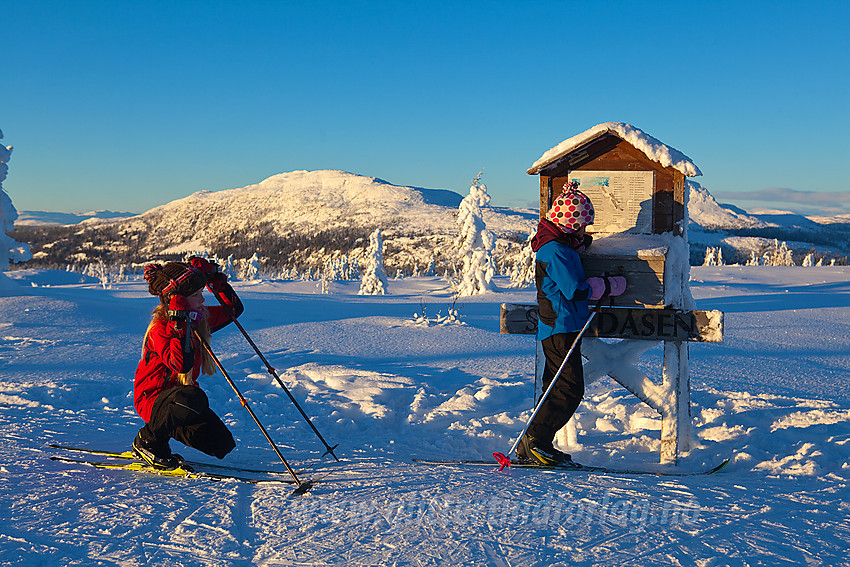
column 775, row 397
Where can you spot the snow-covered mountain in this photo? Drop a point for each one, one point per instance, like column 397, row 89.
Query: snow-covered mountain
column 706, row 212
column 741, row 234
column 305, row 218
column 300, row 218
column 39, row 218
column 311, row 202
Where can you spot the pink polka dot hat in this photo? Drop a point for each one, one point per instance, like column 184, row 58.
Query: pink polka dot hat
column 572, row 209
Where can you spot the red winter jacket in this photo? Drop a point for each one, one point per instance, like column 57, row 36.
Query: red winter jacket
column 163, row 357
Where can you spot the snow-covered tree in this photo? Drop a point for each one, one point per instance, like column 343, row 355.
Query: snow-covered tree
column 342, row 267
column 784, row 256
column 522, row 274
column 709, row 256
column 324, row 284
column 252, row 268
column 374, row 279
column 99, row 271
column 779, row 255
column 718, row 256
column 226, row 267
column 475, row 243
column 353, row 269
column 331, row 270
column 713, row 257
column 10, row 249
column 809, row 260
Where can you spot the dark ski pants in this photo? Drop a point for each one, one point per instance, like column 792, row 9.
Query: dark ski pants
column 184, row 413
column 565, row 397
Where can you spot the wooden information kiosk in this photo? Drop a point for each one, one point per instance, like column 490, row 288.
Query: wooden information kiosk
column 637, row 186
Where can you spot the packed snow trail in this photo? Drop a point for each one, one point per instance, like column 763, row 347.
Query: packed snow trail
column 774, row 396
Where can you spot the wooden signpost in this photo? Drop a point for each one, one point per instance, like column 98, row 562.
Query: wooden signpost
column 631, row 324
column 637, row 187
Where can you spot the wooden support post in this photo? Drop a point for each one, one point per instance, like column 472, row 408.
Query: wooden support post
column 676, row 417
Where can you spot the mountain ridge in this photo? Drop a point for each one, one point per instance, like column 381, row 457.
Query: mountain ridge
column 704, row 210
column 300, row 218
column 304, row 218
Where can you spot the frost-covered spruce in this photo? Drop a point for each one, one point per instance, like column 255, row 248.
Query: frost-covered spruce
column 374, row 279
column 252, row 268
column 229, row 270
column 522, row 274
column 713, row 257
column 779, row 255
column 10, row 249
column 475, row 243
column 432, row 269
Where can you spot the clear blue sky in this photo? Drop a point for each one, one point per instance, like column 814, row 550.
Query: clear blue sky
column 128, row 105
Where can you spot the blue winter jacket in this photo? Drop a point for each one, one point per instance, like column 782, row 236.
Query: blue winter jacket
column 562, row 291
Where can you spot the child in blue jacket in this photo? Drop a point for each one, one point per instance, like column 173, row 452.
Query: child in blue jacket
column 562, row 299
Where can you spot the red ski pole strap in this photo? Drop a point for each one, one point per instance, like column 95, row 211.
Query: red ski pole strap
column 504, row 461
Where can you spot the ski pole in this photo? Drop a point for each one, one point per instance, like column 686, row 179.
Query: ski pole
column 271, row 370
column 596, row 309
column 302, row 485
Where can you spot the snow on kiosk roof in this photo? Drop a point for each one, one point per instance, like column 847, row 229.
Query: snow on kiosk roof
column 651, row 147
column 619, row 147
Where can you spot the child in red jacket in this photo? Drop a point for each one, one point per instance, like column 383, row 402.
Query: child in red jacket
column 166, row 392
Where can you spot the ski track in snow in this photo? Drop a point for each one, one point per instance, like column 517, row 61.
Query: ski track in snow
column 774, row 397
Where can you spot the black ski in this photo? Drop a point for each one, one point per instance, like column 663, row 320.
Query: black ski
column 180, row 472
column 572, row 467
column 128, row 456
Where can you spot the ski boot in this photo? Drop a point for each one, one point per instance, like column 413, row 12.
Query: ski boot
column 157, row 455
column 535, row 452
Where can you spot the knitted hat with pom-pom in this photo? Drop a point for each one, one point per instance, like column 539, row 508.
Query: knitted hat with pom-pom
column 174, row 277
column 572, row 209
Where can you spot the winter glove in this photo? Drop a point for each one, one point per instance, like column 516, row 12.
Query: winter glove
column 178, row 309
column 203, row 265
column 218, row 282
column 181, row 316
column 617, row 286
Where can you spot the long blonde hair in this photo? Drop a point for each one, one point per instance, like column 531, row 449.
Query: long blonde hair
column 160, row 313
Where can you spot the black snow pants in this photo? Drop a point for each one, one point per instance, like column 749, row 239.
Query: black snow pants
column 184, row 413
column 568, row 391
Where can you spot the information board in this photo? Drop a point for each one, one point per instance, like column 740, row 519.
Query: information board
column 622, row 199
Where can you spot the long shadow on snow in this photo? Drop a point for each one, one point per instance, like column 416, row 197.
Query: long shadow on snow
column 302, row 308
column 780, row 298
column 282, row 359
